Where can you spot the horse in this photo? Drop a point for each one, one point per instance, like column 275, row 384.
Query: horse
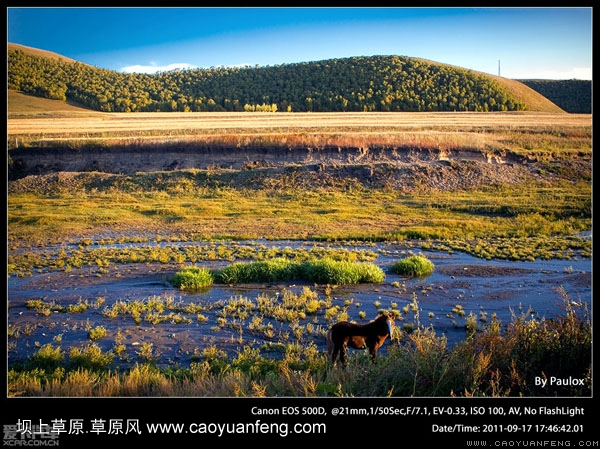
column 358, row 336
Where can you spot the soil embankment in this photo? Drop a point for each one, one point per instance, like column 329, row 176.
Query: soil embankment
column 38, row 169
column 129, row 159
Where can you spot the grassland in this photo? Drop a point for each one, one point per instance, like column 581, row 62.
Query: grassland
column 498, row 224
column 552, row 199
column 535, row 205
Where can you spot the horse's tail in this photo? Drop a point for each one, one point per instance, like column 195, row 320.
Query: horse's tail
column 329, row 343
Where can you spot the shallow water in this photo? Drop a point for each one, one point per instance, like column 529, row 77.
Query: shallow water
column 477, row 286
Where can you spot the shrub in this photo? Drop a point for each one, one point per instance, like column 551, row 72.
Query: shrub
column 97, row 332
column 192, row 278
column 417, row 266
column 89, row 358
column 48, row 357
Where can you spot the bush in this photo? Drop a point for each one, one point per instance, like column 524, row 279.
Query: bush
column 417, row 266
column 192, row 278
column 89, row 358
column 48, row 357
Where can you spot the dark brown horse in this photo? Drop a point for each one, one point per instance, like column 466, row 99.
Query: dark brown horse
column 358, row 336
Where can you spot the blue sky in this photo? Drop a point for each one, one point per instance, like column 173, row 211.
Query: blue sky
column 545, row 42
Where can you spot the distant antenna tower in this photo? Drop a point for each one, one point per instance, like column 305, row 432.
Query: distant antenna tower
column 498, row 67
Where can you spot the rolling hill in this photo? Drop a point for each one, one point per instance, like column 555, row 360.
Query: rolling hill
column 375, row 83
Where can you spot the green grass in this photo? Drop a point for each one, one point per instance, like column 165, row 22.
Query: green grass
column 417, row 266
column 327, row 271
column 274, row 270
column 519, row 223
column 320, row 271
column 192, row 278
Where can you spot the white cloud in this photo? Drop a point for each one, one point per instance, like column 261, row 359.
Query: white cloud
column 579, row 73
column 152, row 68
column 241, row 66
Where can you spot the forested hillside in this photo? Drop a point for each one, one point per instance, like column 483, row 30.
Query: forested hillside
column 574, row 96
column 377, row 83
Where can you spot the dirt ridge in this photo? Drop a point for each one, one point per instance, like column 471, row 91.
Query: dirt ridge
column 450, row 175
column 133, row 159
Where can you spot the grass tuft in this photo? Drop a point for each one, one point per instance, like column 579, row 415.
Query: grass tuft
column 417, row 266
column 320, row 271
column 192, row 278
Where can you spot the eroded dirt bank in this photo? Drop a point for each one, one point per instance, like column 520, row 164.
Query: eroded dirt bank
column 405, row 169
column 128, row 159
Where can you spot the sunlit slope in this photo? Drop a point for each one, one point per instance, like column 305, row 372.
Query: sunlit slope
column 534, row 100
column 38, row 52
column 21, row 105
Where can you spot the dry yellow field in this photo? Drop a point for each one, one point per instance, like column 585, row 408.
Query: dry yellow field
column 34, row 119
column 112, row 125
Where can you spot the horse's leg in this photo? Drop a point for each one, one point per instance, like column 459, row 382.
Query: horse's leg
column 334, row 353
column 344, row 354
column 373, row 352
column 373, row 347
